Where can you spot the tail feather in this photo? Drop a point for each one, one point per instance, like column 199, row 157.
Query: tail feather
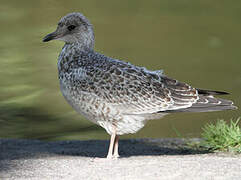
column 207, row 109
column 208, row 103
column 210, row 92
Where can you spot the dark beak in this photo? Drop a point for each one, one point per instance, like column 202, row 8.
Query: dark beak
column 50, row 37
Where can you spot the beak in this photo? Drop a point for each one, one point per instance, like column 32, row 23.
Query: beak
column 50, row 37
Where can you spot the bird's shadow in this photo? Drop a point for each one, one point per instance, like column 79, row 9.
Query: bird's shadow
column 11, row 149
column 128, row 147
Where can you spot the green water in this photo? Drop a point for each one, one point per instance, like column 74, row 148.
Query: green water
column 198, row 42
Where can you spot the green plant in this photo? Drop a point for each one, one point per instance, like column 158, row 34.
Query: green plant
column 222, row 136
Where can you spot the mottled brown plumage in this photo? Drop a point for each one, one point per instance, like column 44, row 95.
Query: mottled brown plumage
column 115, row 94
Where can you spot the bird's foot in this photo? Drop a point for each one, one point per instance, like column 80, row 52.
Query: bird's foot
column 115, row 156
column 109, row 156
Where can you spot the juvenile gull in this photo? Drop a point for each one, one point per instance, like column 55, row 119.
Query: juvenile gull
column 117, row 95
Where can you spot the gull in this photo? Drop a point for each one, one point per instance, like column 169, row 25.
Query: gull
column 117, row 95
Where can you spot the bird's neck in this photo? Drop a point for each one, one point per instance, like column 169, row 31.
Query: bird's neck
column 83, row 41
column 79, row 46
column 71, row 52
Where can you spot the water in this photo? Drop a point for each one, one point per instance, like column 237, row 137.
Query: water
column 197, row 42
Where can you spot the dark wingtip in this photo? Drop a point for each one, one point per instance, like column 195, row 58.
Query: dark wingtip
column 210, row 92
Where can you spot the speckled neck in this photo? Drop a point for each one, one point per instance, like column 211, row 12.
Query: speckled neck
column 77, row 46
column 69, row 51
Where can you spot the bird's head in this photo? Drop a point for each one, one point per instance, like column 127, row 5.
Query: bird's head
column 73, row 28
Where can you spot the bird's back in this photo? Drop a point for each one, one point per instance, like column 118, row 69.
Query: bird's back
column 131, row 89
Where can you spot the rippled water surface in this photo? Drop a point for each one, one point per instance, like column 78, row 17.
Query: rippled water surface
column 198, row 42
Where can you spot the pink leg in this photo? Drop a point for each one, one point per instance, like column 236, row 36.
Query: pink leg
column 111, row 147
column 116, row 153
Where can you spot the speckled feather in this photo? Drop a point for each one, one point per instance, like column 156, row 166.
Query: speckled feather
column 115, row 94
column 108, row 91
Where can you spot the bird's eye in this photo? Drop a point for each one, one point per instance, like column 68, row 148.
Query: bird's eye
column 71, row 27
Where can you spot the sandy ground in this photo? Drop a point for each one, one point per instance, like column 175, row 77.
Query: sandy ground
column 141, row 159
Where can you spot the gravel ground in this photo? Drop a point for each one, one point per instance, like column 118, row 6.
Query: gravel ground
column 140, row 159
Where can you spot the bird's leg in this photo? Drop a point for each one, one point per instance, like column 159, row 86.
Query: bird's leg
column 111, row 147
column 116, row 153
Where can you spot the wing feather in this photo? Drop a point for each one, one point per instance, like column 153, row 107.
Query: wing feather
column 131, row 89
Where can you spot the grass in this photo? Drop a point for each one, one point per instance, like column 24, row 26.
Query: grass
column 222, row 136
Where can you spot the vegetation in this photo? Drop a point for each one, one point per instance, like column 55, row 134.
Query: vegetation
column 222, row 136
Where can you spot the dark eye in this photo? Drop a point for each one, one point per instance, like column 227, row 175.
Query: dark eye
column 71, row 27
